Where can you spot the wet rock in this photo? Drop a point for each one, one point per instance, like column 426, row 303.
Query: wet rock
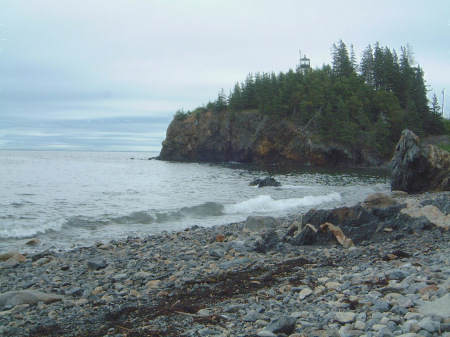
column 269, row 181
column 33, row 242
column 418, row 168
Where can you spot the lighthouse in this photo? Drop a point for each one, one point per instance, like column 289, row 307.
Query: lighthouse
column 305, row 64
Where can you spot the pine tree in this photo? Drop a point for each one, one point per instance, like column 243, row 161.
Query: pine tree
column 342, row 65
column 367, row 66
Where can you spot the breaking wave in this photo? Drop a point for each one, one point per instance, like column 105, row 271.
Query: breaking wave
column 265, row 203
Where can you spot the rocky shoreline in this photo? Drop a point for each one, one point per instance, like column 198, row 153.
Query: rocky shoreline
column 243, row 279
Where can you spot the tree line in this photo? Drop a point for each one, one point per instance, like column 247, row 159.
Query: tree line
column 366, row 105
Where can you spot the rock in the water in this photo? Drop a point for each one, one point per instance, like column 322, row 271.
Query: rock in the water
column 13, row 298
column 417, row 168
column 33, row 242
column 265, row 182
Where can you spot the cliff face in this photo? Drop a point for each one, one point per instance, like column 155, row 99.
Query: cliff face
column 250, row 137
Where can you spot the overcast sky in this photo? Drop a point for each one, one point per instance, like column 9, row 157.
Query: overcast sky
column 110, row 74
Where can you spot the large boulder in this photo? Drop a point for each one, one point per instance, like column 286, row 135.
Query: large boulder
column 350, row 225
column 418, row 168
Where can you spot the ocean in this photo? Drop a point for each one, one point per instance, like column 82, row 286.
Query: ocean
column 69, row 199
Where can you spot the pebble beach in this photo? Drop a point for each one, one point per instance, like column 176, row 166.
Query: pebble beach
column 224, row 281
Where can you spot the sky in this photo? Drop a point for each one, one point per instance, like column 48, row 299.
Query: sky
column 109, row 75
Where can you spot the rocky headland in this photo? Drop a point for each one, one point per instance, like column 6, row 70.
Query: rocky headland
column 251, row 137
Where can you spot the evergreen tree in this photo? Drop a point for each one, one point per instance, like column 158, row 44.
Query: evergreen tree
column 342, row 65
column 368, row 110
column 367, row 66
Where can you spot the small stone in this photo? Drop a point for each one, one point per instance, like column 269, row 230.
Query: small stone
column 204, row 312
column 219, row 253
column 378, row 327
column 411, row 326
column 10, row 264
column 304, row 293
column 332, row 285
column 233, row 308
column 265, row 333
column 42, row 261
column 251, row 316
column 97, row 264
column 360, row 325
column 108, row 298
column 153, row 284
column 345, row 317
column 97, row 290
column 283, row 324
column 398, row 274
column 429, row 325
column 220, row 238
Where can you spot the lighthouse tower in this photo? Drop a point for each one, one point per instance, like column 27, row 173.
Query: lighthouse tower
column 305, row 64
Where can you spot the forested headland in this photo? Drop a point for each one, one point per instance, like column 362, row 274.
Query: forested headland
column 361, row 104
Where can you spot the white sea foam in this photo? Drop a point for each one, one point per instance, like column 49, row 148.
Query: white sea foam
column 20, row 231
column 265, row 203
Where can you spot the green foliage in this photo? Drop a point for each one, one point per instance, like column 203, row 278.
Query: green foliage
column 446, row 123
column 180, row 115
column 445, row 147
column 366, row 109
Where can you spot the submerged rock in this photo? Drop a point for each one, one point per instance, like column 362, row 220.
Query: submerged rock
column 418, row 168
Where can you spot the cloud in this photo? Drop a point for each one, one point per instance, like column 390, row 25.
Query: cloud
column 104, row 59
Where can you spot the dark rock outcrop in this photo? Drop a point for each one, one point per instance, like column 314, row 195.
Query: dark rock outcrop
column 418, row 168
column 378, row 213
column 358, row 223
column 251, row 137
column 265, row 182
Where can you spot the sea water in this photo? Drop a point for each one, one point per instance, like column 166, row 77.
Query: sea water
column 68, row 199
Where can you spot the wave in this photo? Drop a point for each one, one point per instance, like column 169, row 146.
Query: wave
column 152, row 216
column 265, row 203
column 20, row 231
column 207, row 210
